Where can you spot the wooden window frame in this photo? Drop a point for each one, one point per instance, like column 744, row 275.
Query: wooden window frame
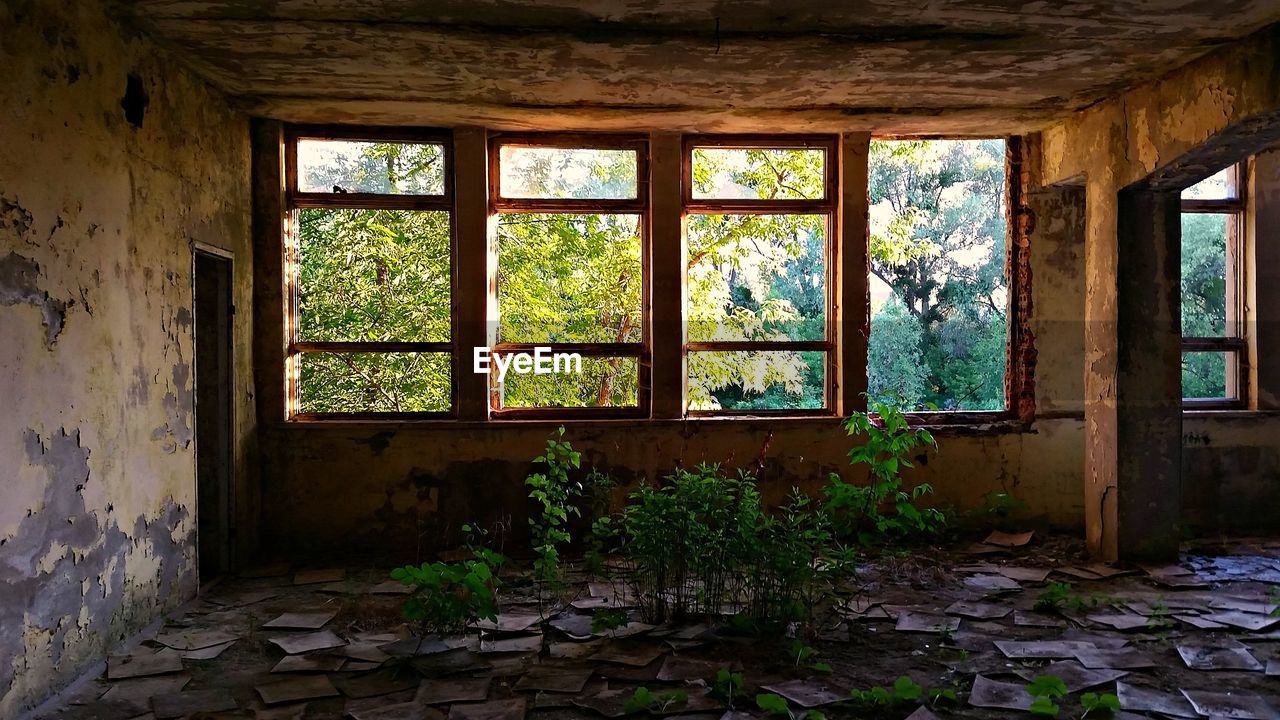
column 1235, row 343
column 642, row 350
column 296, row 200
column 828, row 206
column 847, row 319
column 1020, row 352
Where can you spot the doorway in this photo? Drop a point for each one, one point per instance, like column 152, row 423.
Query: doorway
column 214, row 413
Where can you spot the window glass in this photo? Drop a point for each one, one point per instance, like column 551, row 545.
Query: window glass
column 1205, row 375
column 373, row 275
column 939, row 291
column 356, row 166
column 1218, row 186
column 582, row 173
column 1204, row 274
column 757, row 380
column 757, row 277
column 759, row 173
column 569, row 278
column 374, row 382
column 592, row 382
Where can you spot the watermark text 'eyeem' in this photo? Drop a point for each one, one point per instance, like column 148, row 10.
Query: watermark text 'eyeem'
column 542, row 361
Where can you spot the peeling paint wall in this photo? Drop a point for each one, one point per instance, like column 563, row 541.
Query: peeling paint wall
column 1166, row 134
column 113, row 163
column 395, row 494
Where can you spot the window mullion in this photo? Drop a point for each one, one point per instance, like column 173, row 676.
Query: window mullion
column 851, row 311
column 667, row 276
column 471, row 277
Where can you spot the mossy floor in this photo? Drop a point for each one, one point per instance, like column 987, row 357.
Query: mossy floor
column 933, row 616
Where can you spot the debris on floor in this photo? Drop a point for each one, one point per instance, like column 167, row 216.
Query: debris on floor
column 938, row 636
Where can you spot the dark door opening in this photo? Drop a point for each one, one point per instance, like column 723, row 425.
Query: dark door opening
column 213, row 310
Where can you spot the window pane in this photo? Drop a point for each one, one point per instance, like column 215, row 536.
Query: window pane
column 757, row 277
column 759, row 173
column 1204, row 274
column 356, row 166
column 1218, row 186
column 569, row 278
column 939, row 295
column 584, row 173
column 757, row 380
column 601, row 382
column 374, row 382
column 1205, row 375
column 373, row 275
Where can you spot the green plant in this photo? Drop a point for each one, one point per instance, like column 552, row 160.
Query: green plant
column 1045, row 689
column 645, row 699
column 806, row 656
column 727, row 685
column 938, row 696
column 1000, row 508
column 553, row 491
column 1053, row 597
column 1093, row 702
column 476, row 540
column 882, row 510
column 608, row 619
column 904, row 690
column 448, row 596
column 598, row 490
column 773, row 704
column 703, row 542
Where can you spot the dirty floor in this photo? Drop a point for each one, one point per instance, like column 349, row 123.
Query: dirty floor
column 1197, row 639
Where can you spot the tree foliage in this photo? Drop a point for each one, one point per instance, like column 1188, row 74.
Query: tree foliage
column 937, row 244
column 938, row 236
column 1204, row 301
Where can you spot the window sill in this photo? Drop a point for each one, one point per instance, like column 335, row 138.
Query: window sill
column 1229, row 414
column 941, row 424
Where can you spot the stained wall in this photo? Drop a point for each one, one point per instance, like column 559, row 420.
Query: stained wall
column 113, row 163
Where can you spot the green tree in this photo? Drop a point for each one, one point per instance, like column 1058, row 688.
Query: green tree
column 938, row 242
column 758, row 278
column 894, row 371
column 1204, row 301
column 373, row 275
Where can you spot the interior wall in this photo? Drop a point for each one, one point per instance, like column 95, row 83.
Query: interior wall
column 1171, row 132
column 113, row 164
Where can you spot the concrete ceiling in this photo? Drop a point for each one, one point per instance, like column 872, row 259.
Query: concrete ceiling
column 906, row 66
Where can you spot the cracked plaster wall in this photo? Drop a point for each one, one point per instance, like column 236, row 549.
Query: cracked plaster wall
column 1169, row 133
column 113, row 164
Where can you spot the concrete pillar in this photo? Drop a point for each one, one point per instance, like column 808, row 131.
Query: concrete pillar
column 1262, row 305
column 1133, row 392
column 1149, row 375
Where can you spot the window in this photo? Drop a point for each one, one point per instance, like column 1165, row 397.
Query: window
column 549, row 276
column 940, row 330
column 368, row 256
column 759, row 323
column 571, row 272
column 1213, row 345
